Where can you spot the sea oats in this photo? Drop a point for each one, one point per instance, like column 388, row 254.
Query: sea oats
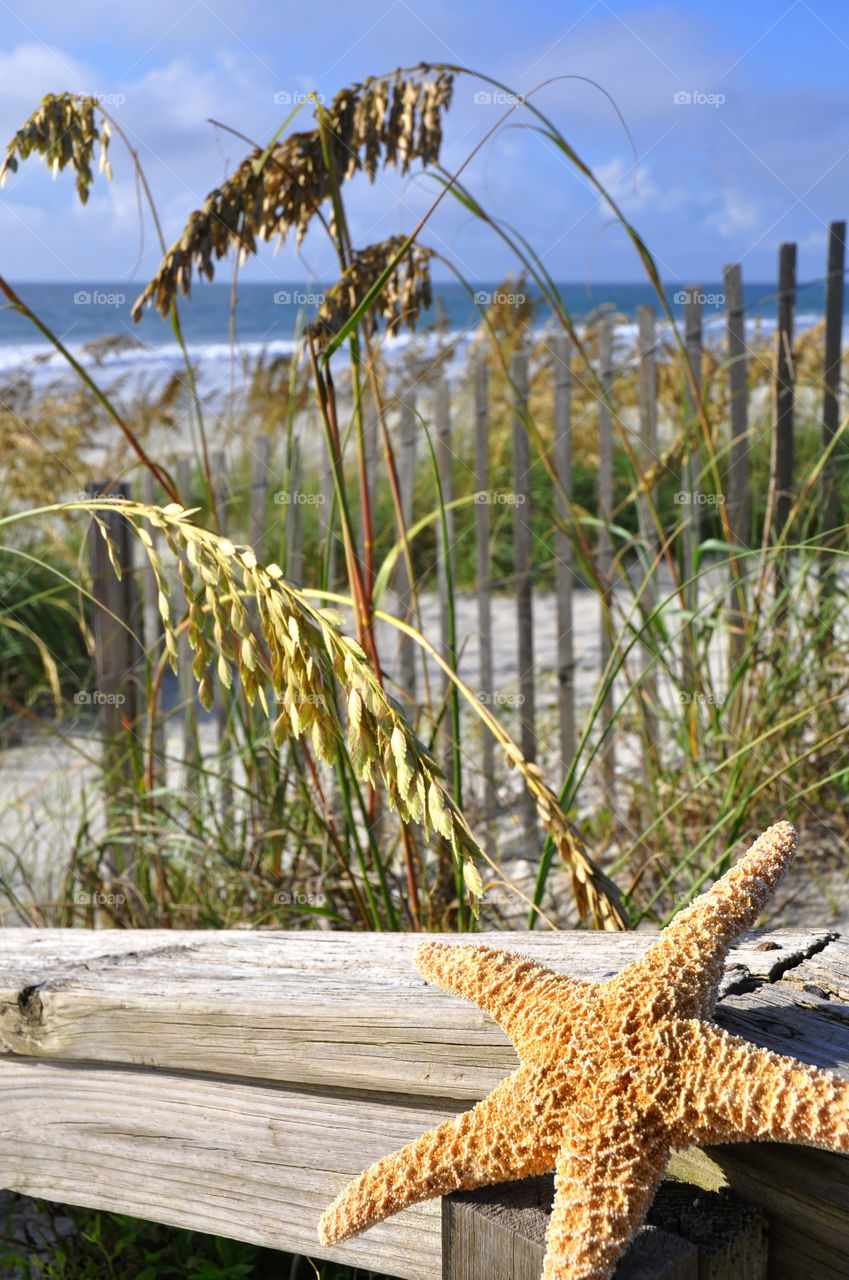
column 396, row 120
column 64, row 129
column 299, row 655
column 406, row 293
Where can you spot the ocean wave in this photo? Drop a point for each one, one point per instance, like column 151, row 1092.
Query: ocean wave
column 219, row 365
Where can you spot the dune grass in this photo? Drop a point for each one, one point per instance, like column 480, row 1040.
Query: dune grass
column 714, row 745
column 325, row 805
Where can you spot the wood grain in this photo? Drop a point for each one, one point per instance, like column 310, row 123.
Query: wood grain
column 234, row 1081
column 236, row 1158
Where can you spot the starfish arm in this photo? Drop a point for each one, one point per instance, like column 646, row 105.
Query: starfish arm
column 600, row 1201
column 508, row 986
column 687, row 960
column 493, row 1142
column 745, row 1093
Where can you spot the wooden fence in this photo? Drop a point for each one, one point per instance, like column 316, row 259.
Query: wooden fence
column 519, row 500
column 233, row 1082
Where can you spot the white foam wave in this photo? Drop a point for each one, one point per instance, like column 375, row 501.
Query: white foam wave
column 220, row 365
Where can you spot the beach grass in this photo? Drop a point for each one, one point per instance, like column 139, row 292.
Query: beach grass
column 327, row 804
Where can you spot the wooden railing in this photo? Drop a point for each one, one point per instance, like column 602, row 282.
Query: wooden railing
column 233, row 1082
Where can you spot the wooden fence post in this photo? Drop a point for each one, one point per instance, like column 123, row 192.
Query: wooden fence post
column 408, row 431
column 327, row 512
column 445, row 562
column 221, row 495
column 259, row 494
column 152, row 630
column 691, row 1234
column 781, row 467
column 561, row 353
column 523, row 553
column 739, row 501
column 369, row 464
column 831, row 518
column 295, row 520
column 648, row 433
column 605, row 546
column 118, row 651
column 689, row 479
column 257, row 531
column 483, row 565
column 185, row 677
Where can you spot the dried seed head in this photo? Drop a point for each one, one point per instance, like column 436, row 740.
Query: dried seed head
column 64, row 129
column 406, row 293
column 300, row 655
column 393, row 121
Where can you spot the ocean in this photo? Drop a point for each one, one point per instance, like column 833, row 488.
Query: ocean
column 267, row 316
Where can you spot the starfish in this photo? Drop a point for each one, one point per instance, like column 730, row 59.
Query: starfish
column 613, row 1077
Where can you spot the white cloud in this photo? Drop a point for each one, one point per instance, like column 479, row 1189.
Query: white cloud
column 740, row 213
column 815, row 240
column 636, row 190
column 32, row 70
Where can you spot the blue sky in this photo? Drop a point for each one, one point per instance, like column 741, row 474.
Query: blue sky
column 738, row 117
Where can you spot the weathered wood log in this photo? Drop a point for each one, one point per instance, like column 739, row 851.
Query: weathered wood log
column 498, row 1233
column 234, row 1081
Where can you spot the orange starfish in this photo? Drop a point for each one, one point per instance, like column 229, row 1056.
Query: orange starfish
column 613, row 1077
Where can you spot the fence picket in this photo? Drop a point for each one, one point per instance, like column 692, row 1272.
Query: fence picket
column 445, row 552
column 648, row 437
column 408, row 431
column 739, row 502
column 561, row 351
column 152, row 630
column 739, row 505
column 523, row 568
column 781, row 462
column 295, row 520
column 483, row 564
column 690, row 476
column 832, row 516
column 326, row 524
column 221, row 708
column 605, row 547
column 185, row 677
column 118, row 650
column 369, row 471
column 261, row 452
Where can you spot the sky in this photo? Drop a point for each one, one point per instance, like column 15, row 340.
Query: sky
column 721, row 128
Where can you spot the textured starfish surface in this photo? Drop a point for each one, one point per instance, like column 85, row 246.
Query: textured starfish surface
column 613, row 1077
